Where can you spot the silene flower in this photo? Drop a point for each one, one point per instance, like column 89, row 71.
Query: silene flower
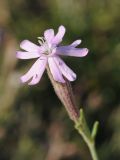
column 48, row 52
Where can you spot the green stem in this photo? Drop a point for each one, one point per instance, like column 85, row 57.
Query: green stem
column 89, row 138
column 93, row 151
column 91, row 145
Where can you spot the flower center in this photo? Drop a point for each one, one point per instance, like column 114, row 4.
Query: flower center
column 49, row 49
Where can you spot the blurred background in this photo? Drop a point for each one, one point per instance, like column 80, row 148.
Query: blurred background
column 34, row 125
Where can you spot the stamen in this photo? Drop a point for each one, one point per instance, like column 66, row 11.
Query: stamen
column 48, row 48
column 41, row 40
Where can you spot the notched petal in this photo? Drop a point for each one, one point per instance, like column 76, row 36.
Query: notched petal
column 71, row 51
column 55, row 71
column 29, row 46
column 35, row 72
column 59, row 36
column 49, row 35
column 66, row 71
column 26, row 55
column 76, row 43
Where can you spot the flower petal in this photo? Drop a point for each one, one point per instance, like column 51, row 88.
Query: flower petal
column 58, row 38
column 57, row 75
column 66, row 71
column 49, row 35
column 35, row 71
column 71, row 51
column 26, row 55
column 29, row 46
column 76, row 43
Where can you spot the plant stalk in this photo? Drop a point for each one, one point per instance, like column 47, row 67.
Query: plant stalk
column 65, row 94
column 93, row 151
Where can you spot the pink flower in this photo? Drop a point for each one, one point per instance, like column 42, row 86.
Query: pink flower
column 48, row 52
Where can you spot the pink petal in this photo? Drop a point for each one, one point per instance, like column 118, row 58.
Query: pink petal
column 35, row 72
column 27, row 55
column 76, row 43
column 29, row 46
column 71, row 51
column 66, row 71
column 59, row 36
column 57, row 75
column 49, row 35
